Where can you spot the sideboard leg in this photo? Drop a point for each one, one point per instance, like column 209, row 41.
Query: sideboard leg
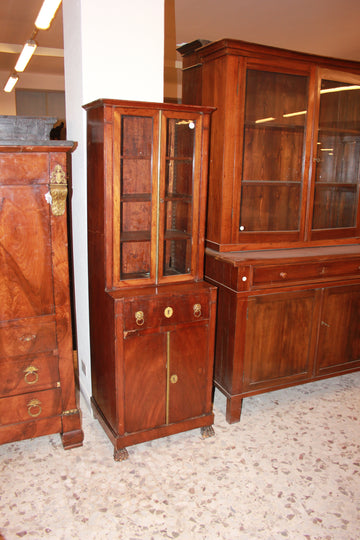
column 121, row 454
column 233, row 409
column 207, row 431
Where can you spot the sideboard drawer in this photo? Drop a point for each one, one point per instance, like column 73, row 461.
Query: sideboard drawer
column 27, row 336
column 34, row 405
column 27, row 374
column 144, row 312
column 302, row 272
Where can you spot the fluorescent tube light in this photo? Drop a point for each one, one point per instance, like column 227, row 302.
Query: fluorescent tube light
column 46, row 14
column 12, row 80
column 25, row 55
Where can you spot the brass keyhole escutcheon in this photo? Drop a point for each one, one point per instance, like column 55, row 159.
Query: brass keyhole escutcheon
column 197, row 310
column 34, row 408
column 168, row 312
column 174, row 379
column 139, row 318
column 31, row 375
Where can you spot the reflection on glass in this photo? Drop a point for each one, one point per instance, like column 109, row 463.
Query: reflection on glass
column 338, row 155
column 180, row 145
column 274, row 136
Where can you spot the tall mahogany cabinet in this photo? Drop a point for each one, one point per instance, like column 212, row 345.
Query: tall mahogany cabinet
column 37, row 382
column 283, row 218
column 152, row 317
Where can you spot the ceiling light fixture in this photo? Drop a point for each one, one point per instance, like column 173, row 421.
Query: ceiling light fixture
column 12, row 80
column 25, row 55
column 46, row 14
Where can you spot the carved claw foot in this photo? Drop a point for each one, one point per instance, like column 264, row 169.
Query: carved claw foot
column 207, row 431
column 121, row 454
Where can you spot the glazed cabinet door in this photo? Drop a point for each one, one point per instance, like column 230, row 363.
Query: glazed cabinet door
column 157, row 193
column 273, row 157
column 280, row 338
column 336, row 210
column 339, row 334
column 135, row 199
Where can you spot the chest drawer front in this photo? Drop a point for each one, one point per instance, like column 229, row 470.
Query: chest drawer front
column 278, row 274
column 30, row 406
column 28, row 374
column 24, row 168
column 144, row 313
column 29, row 336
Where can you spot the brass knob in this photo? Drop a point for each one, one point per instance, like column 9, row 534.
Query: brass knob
column 174, row 379
column 168, row 312
column 197, row 310
column 34, row 408
column 31, row 375
column 283, row 275
column 139, row 318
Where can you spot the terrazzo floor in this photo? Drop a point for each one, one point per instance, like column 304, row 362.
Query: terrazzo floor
column 289, row 469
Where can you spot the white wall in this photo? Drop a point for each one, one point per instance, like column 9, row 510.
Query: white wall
column 113, row 49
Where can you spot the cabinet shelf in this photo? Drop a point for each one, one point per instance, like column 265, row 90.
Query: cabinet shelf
column 135, row 236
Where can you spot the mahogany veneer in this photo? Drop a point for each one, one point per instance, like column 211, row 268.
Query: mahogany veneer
column 37, row 383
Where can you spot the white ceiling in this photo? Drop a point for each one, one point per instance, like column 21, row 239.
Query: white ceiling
column 326, row 27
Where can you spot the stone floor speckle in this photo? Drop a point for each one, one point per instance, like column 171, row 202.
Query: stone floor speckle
column 289, row 470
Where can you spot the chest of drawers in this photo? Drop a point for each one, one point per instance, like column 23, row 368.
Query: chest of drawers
column 37, row 383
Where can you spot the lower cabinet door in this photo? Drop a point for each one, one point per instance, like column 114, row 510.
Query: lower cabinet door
column 188, row 372
column 339, row 334
column 144, row 381
column 166, row 376
column 279, row 338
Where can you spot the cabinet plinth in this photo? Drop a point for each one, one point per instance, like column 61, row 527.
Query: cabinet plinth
column 37, row 388
column 283, row 215
column 152, row 317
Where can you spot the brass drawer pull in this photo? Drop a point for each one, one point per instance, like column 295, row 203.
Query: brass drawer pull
column 27, row 337
column 31, row 375
column 197, row 310
column 34, row 408
column 283, row 275
column 139, row 317
column 168, row 312
column 174, row 379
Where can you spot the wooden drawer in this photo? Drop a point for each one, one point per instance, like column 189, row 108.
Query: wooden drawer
column 27, row 336
column 30, row 406
column 300, row 272
column 142, row 312
column 27, row 374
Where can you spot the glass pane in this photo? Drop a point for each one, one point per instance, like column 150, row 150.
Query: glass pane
column 274, row 136
column 180, row 144
column 136, row 195
column 338, row 155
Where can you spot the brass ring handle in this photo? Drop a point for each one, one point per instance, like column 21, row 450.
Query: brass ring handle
column 27, row 337
column 139, row 317
column 283, row 275
column 197, row 310
column 34, row 408
column 31, row 375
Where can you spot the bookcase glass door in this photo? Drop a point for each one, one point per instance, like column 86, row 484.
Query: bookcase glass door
column 337, row 177
column 178, row 219
column 273, row 151
column 136, row 165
